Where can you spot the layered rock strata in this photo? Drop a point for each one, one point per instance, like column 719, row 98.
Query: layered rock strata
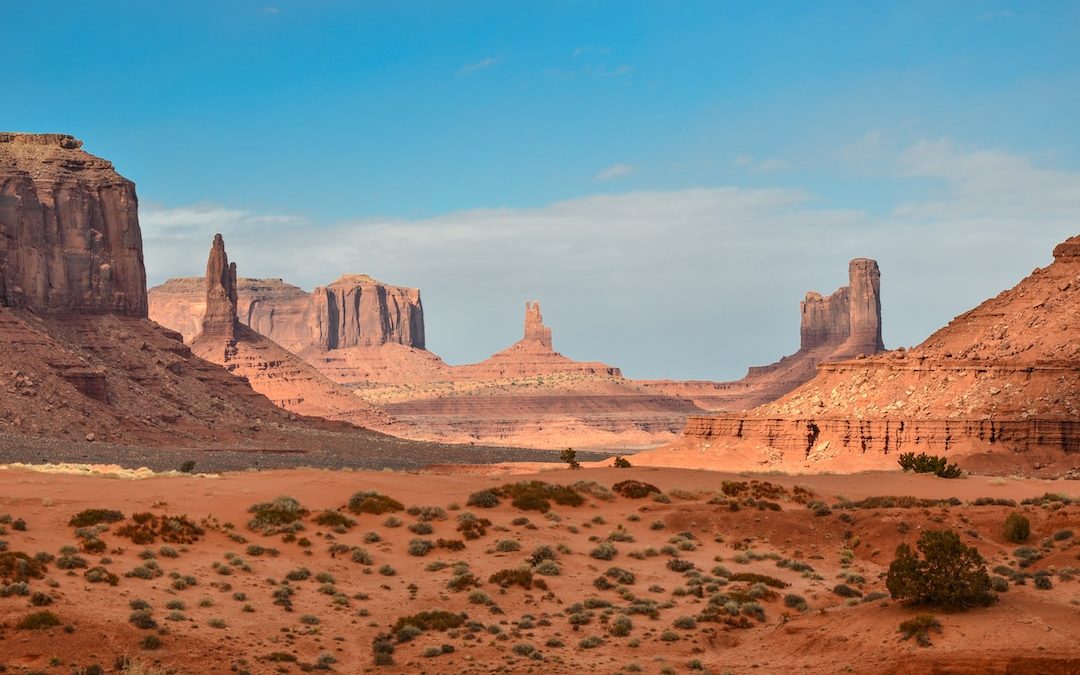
column 998, row 387
column 281, row 376
column 843, row 325
column 69, row 230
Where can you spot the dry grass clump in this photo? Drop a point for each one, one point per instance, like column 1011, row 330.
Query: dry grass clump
column 753, row 578
column 438, row 619
column 521, row 576
column 369, row 501
column 535, row 495
column 472, row 527
column 147, row 528
column 335, row 520
column 919, row 628
column 38, row 621
column 484, row 499
column 16, row 566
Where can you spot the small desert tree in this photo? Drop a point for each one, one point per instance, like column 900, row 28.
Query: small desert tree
column 569, row 456
column 949, row 574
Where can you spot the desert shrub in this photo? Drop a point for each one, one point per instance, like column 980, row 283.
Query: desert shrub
column 335, row 520
column 795, row 601
column 298, row 574
column 680, row 565
column 949, row 573
column 845, row 591
column 420, row 547
column 438, row 619
column 537, row 495
column 924, row 463
column 604, row 551
column 1043, row 583
column 38, row 621
column 450, row 544
column 70, row 561
column 685, row 622
column 621, row 462
column 18, row 566
column 919, row 628
column 548, row 568
column 141, row 618
column 462, row 581
column 507, row 545
column 472, row 527
column 91, row 517
column 1017, row 528
column 282, row 515
column 634, row 489
column 594, row 490
column 421, row 528
column 1062, row 535
column 367, row 501
column 521, row 576
column 484, row 499
column 621, row 626
column 387, row 571
column 97, row 575
column 751, row 577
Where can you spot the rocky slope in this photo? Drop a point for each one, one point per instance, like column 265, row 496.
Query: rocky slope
column 999, row 388
column 839, row 326
column 284, row 378
column 69, row 230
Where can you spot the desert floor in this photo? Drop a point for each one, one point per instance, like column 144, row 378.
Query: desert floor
column 234, row 599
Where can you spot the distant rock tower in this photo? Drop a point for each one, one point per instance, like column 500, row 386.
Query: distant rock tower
column 220, row 318
column 535, row 330
column 849, row 319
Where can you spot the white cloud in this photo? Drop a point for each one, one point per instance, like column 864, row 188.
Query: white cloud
column 771, row 165
column 616, row 171
column 482, row 64
column 697, row 282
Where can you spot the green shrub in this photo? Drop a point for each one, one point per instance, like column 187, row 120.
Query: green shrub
column 367, row 501
column 38, row 621
column 1017, row 528
column 484, row 499
column 634, row 489
column 753, row 578
column 605, row 551
column 919, row 628
column 795, row 602
column 949, row 573
column 537, row 495
column 521, row 576
column 283, row 514
column 91, row 517
column 335, row 520
column 621, row 462
column 439, row 620
column 924, row 463
column 569, row 456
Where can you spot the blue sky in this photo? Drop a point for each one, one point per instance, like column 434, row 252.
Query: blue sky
column 668, row 178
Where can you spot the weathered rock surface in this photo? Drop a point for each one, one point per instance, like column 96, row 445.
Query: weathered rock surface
column 998, row 387
column 281, row 376
column 836, row 327
column 69, row 230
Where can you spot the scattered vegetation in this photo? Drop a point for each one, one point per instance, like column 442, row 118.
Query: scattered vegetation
column 634, row 489
column 367, row 501
column 924, row 463
column 919, row 628
column 535, row 495
column 91, row 517
column 280, row 516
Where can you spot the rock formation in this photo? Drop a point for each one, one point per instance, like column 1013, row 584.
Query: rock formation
column 843, row 325
column 219, row 321
column 81, row 361
column 281, row 376
column 69, row 230
column 998, row 387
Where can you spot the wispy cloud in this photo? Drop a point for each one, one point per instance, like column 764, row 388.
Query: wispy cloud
column 482, row 64
column 616, row 171
column 771, row 165
column 269, row 10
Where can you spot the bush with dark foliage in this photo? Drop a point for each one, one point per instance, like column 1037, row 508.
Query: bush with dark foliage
column 949, row 574
column 924, row 463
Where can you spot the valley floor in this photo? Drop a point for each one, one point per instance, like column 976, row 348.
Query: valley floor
column 682, row 582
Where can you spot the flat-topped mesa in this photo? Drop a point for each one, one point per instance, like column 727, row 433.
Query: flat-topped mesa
column 535, row 330
column 220, row 321
column 356, row 310
column 69, row 230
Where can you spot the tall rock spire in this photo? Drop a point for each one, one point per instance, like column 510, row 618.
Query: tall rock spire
column 535, row 330
column 220, row 318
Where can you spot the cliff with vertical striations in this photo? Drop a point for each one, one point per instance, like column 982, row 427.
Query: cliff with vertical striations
column 69, row 230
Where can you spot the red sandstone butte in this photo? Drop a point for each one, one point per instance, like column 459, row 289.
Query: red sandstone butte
column 998, row 388
column 271, row 370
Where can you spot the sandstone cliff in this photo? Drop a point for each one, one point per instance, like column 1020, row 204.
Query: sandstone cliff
column 843, row 325
column 69, row 230
column 999, row 387
column 281, row 376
